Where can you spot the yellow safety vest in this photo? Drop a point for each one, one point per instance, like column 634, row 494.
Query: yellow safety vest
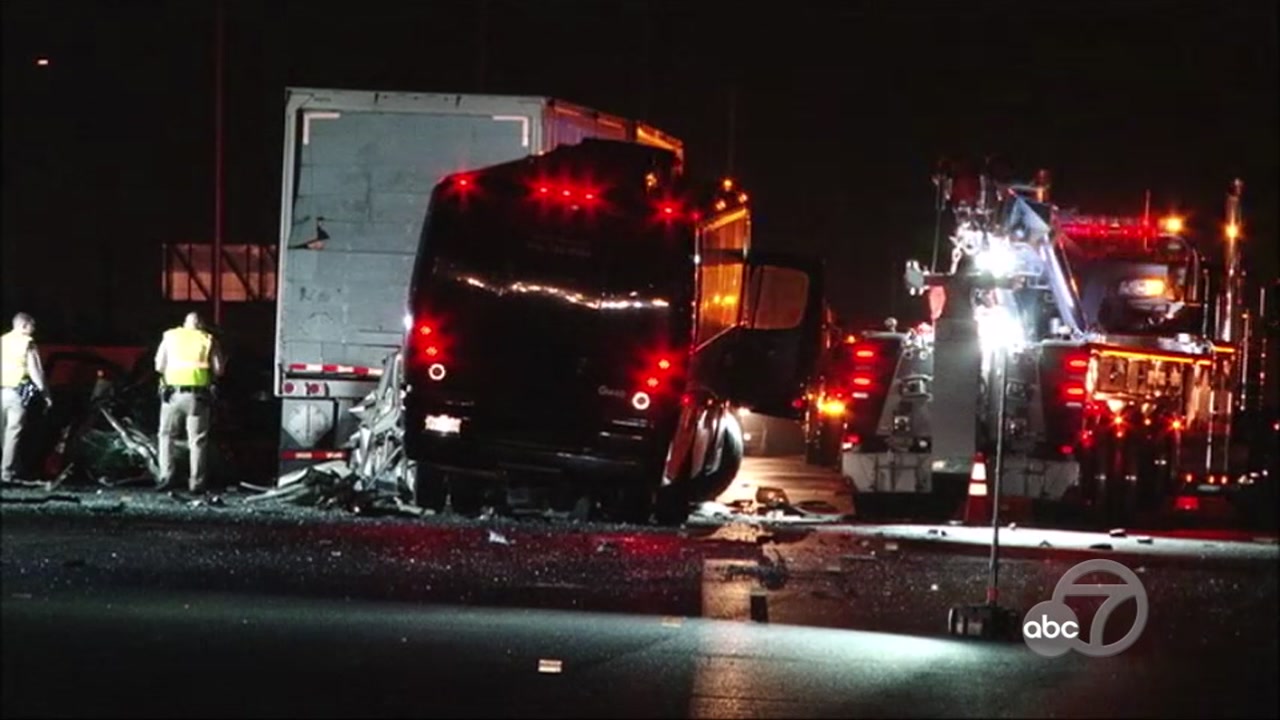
column 187, row 357
column 13, row 354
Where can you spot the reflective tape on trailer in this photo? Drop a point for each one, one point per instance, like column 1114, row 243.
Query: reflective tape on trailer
column 313, row 454
column 325, row 369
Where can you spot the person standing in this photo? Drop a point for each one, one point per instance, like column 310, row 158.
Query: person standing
column 21, row 378
column 189, row 362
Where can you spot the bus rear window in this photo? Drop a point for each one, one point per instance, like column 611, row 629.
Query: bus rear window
column 504, row 240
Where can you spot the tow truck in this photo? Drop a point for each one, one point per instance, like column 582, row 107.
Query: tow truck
column 1111, row 351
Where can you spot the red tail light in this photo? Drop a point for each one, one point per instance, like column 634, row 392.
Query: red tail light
column 426, row 343
column 656, row 373
column 1187, row 503
column 1074, row 392
column 1076, row 363
column 668, row 210
column 865, row 353
column 862, row 380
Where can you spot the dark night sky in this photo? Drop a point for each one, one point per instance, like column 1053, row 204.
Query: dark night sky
column 842, row 110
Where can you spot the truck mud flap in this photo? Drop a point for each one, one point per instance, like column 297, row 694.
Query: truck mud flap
column 1038, row 479
column 888, row 472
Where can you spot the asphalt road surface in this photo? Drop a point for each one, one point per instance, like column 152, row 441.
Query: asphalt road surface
column 131, row 603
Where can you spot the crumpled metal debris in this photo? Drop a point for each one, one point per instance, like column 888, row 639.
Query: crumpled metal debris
column 376, row 476
column 377, row 447
column 104, row 442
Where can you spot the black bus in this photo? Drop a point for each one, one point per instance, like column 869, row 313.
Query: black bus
column 581, row 326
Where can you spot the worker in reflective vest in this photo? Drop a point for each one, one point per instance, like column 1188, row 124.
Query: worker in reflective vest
column 21, row 377
column 188, row 362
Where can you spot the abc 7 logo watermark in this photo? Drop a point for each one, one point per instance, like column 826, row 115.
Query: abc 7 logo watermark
column 1051, row 628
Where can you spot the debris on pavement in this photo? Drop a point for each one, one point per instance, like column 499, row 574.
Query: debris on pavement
column 55, row 497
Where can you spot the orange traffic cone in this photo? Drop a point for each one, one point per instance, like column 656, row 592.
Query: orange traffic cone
column 977, row 509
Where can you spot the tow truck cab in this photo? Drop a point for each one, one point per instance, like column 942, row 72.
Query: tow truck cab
column 578, row 328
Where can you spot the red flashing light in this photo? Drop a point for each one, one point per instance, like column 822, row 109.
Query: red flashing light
column 424, row 330
column 1077, row 363
column 1187, row 503
column 432, row 351
column 686, row 399
column 1066, row 449
column 664, row 364
column 544, row 190
column 652, row 382
column 864, row 353
column 862, row 380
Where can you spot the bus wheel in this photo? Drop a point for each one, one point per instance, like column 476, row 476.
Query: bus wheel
column 715, row 483
column 466, row 496
column 671, row 506
column 631, row 503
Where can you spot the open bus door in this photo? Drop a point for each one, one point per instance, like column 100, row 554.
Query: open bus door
column 779, row 338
